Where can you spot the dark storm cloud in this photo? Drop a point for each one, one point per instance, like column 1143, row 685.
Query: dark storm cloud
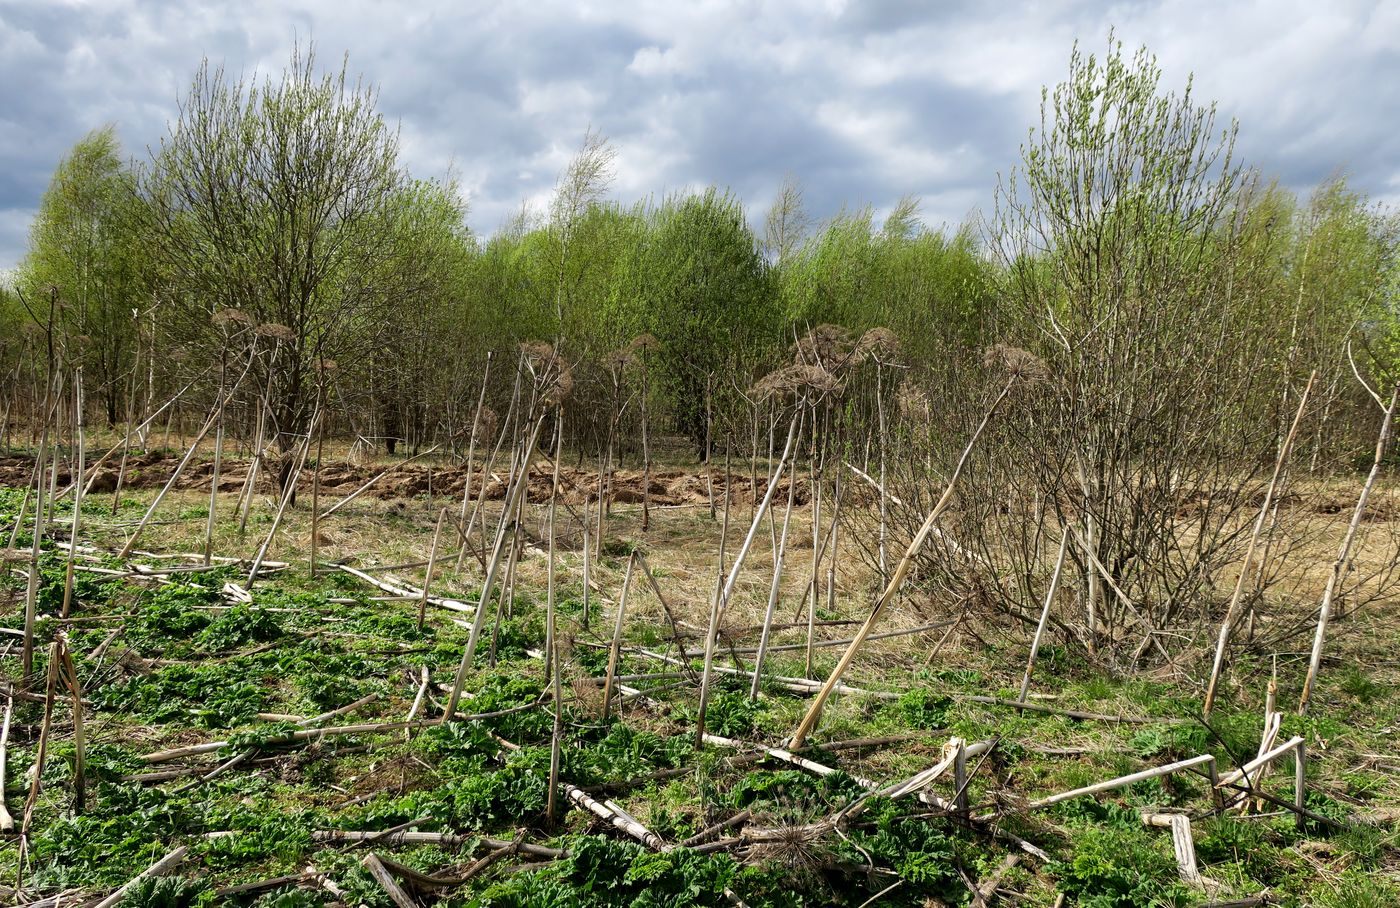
column 862, row 102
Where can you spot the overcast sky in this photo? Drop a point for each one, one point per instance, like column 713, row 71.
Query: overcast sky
column 861, row 102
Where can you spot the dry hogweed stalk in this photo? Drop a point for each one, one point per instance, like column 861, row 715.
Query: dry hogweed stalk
column 618, row 360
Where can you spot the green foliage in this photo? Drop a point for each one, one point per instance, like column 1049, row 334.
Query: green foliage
column 216, row 695
column 172, row 613
column 169, row 892
column 488, row 798
column 1355, row 889
column 239, row 626
column 732, row 714
column 921, row 708
column 257, row 836
column 921, row 852
column 85, row 251
column 605, row 872
column 1356, row 683
column 1121, row 868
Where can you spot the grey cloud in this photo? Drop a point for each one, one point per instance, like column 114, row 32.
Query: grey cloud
column 862, row 101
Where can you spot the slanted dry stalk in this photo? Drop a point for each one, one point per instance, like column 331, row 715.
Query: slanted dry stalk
column 508, row 426
column 1334, row 579
column 753, row 463
column 250, row 484
column 125, row 443
column 53, row 467
column 550, row 665
column 814, row 479
column 646, row 446
column 159, row 868
column 69, row 674
column 81, row 421
column 709, row 445
column 428, row 571
column 722, row 595
column 180, row 468
column 287, row 494
column 323, row 366
column 587, row 565
column 773, row 590
column 616, row 646
column 214, row 493
column 505, row 601
column 896, row 582
column 23, row 507
column 880, row 443
column 818, row 473
column 7, row 822
column 365, row 486
column 835, row 541
column 1232, row 612
column 41, row 751
column 31, row 597
column 471, row 452
column 1044, row 617
column 517, row 488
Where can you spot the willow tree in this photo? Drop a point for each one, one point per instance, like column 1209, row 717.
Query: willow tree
column 270, row 197
column 83, row 246
column 1116, row 233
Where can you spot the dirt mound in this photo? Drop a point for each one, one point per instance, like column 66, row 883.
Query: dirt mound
column 667, row 487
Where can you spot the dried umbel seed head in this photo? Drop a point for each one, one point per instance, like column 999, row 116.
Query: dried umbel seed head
column 913, row 402
column 618, row 360
column 327, row 366
column 782, row 841
column 879, row 343
column 231, row 318
column 588, row 697
column 537, row 352
column 559, row 385
column 552, row 374
column 1016, row 362
column 275, row 331
column 647, row 341
column 797, row 380
column 824, row 345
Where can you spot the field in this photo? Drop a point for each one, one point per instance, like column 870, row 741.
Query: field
column 282, row 742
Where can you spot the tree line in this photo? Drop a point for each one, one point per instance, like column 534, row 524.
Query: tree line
column 273, row 259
